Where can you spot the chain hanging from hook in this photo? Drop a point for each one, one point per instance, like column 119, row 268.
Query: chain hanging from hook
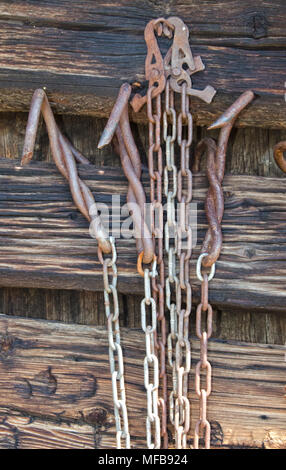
column 212, row 244
column 166, row 77
column 171, row 74
column 65, row 157
column 178, row 66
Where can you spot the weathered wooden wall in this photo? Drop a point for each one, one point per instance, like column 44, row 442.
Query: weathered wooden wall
column 45, row 241
column 250, row 152
column 82, row 51
column 58, row 392
column 76, row 51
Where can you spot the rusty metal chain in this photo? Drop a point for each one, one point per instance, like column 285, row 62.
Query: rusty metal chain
column 172, row 282
column 184, row 292
column 171, row 74
column 179, row 349
column 214, row 206
column 203, row 364
column 111, row 305
column 155, row 165
column 177, row 79
column 153, row 426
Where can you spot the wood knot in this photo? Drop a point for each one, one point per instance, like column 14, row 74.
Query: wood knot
column 6, row 344
column 250, row 253
column 216, row 433
column 258, row 25
column 96, row 417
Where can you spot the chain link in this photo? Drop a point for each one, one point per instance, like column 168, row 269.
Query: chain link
column 178, row 287
column 151, row 364
column 184, row 292
column 111, row 305
column 203, row 365
column 155, row 154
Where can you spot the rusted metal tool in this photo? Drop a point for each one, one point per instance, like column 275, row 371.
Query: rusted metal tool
column 118, row 125
column 216, row 154
column 278, row 152
column 65, row 156
column 154, row 66
column 178, row 64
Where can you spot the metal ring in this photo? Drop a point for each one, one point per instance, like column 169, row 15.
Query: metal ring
column 153, row 266
column 199, row 267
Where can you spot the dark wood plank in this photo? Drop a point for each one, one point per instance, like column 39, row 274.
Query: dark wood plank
column 59, row 378
column 82, row 53
column 87, row 308
column 45, row 242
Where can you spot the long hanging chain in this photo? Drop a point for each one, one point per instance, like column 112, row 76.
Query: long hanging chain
column 179, row 350
column 184, row 293
column 111, row 305
column 172, row 282
column 65, row 156
column 211, row 249
column 278, row 152
column 155, row 173
column 151, row 364
column 203, row 364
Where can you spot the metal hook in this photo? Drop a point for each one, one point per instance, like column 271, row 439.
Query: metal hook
column 216, row 154
column 278, row 152
column 118, row 125
column 65, row 156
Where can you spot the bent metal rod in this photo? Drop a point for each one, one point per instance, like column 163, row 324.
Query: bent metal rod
column 65, row 157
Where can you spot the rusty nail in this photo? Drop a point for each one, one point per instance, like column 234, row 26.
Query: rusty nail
column 232, row 112
column 112, row 123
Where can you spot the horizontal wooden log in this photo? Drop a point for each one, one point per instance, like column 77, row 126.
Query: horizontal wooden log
column 55, row 388
column 45, row 241
column 82, row 53
column 20, row 431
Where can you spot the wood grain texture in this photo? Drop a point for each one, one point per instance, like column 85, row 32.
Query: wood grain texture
column 45, row 242
column 59, row 388
column 87, row 308
column 82, row 53
column 24, row 431
column 250, row 151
